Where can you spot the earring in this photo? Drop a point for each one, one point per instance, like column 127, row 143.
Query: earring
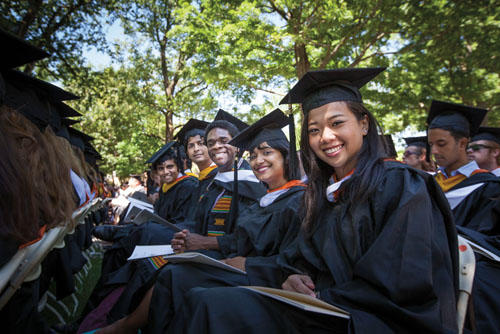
column 365, row 131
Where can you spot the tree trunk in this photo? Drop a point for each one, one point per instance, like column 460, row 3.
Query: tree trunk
column 302, row 64
column 169, row 127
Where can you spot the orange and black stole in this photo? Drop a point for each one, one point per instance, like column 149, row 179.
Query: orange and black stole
column 219, row 214
column 447, row 183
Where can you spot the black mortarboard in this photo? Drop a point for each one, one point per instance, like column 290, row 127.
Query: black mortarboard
column 265, row 129
column 48, row 90
column 91, row 154
column 68, row 122
column 317, row 88
column 488, row 133
column 18, row 52
column 389, row 147
column 66, row 111
column 57, row 112
column 225, row 116
column 64, row 133
column 162, row 151
column 416, row 141
column 458, row 118
column 78, row 138
column 34, row 98
column 192, row 124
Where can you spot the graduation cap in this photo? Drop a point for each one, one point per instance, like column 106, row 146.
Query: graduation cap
column 68, row 122
column 225, row 116
column 91, row 155
column 189, row 129
column 416, row 141
column 78, row 138
column 34, row 98
column 18, row 52
column 64, row 133
column 487, row 133
column 162, row 151
column 455, row 117
column 66, row 111
column 44, row 88
column 317, row 88
column 268, row 128
column 389, row 147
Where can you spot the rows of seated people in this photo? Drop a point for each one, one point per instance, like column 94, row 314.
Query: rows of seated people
column 44, row 179
column 367, row 233
column 350, row 226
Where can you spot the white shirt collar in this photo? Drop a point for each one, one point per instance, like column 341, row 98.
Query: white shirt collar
column 465, row 170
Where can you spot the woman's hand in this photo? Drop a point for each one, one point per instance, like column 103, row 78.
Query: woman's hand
column 237, row 262
column 299, row 283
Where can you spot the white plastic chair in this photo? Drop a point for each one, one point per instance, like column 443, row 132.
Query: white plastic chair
column 467, row 267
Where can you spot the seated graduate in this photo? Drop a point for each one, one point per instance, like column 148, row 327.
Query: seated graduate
column 484, row 148
column 377, row 240
column 19, row 214
column 416, row 152
column 261, row 232
column 177, row 188
column 473, row 194
column 192, row 138
column 215, row 211
column 173, row 205
column 153, row 186
column 51, row 198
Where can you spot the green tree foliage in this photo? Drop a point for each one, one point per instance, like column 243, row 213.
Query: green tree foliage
column 186, row 58
column 63, row 28
column 119, row 112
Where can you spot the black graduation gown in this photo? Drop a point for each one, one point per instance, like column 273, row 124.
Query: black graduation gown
column 210, row 217
column 260, row 234
column 173, row 205
column 8, row 248
column 391, row 262
column 477, row 218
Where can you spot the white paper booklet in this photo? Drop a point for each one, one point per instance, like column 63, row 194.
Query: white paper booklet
column 141, row 252
column 301, row 301
column 145, row 216
column 194, row 257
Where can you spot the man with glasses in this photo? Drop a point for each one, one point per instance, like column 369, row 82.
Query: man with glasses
column 484, row 148
column 474, row 197
column 415, row 153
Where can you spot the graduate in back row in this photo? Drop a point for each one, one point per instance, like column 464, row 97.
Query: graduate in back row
column 378, row 238
column 415, row 154
column 484, row 148
column 474, row 197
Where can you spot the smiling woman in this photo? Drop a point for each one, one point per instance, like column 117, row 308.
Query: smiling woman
column 377, row 240
column 268, row 165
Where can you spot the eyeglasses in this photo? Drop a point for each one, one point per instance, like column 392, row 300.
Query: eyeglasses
column 477, row 147
column 409, row 153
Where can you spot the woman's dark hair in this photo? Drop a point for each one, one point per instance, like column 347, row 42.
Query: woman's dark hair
column 367, row 175
column 284, row 149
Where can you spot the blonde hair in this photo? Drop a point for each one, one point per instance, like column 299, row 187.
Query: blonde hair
column 48, row 169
